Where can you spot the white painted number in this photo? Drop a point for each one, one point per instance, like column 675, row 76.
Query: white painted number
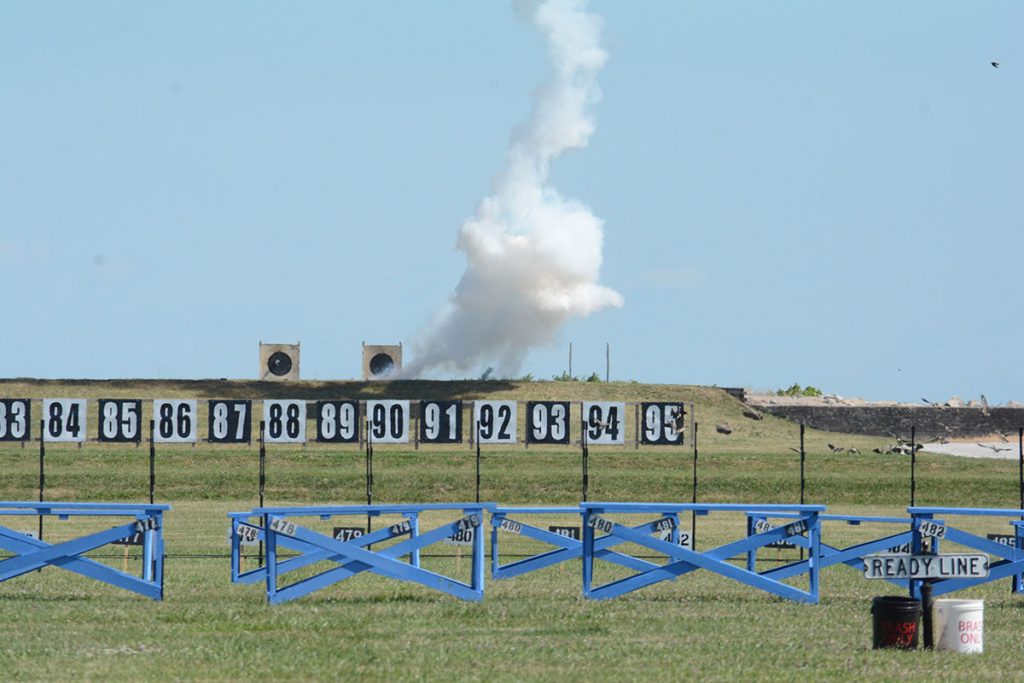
column 14, row 419
column 441, row 421
column 337, row 421
column 230, row 421
column 119, row 420
column 549, row 422
column 663, row 423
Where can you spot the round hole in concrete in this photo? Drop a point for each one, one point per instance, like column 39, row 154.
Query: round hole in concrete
column 381, row 364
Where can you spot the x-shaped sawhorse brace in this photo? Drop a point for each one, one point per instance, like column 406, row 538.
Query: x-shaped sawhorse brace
column 684, row 561
column 1011, row 565
column 309, row 554
column 34, row 554
column 354, row 559
column 852, row 556
column 565, row 548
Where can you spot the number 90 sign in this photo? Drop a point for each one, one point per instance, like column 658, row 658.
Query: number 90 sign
column 388, row 421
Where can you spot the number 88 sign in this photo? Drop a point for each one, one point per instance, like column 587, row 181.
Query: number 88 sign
column 284, row 421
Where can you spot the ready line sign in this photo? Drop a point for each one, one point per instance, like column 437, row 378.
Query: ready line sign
column 950, row 566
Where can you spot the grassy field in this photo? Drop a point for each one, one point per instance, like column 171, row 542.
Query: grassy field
column 535, row 627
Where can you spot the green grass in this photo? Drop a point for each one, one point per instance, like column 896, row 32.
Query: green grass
column 535, row 627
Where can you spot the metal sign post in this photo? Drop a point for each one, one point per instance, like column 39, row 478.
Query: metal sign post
column 693, row 513
column 913, row 466
column 263, row 477
column 152, row 461
column 478, row 461
column 369, row 474
column 585, row 452
column 42, row 471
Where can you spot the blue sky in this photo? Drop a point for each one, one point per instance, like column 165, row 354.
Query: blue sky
column 822, row 193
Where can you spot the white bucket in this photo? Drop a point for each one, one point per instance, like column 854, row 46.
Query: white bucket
column 959, row 625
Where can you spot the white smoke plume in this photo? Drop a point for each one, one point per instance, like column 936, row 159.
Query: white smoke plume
column 533, row 256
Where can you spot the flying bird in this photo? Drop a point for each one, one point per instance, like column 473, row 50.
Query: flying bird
column 995, row 65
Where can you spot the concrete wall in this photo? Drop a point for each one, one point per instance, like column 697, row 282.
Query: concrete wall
column 886, row 420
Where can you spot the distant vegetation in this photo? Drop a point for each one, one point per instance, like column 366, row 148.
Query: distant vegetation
column 797, row 390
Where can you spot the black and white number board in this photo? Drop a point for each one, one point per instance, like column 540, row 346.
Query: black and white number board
column 572, row 532
column 174, row 421
column 604, row 422
column 284, row 421
column 15, row 419
column 65, row 419
column 441, row 421
column 495, row 421
column 663, row 424
column 547, row 422
column 388, row 421
column 230, row 421
column 347, row 533
column 337, row 421
column 120, row 421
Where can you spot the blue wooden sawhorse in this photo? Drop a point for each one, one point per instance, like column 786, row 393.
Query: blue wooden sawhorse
column 279, row 528
column 682, row 560
column 852, row 556
column 31, row 553
column 510, row 520
column 1010, row 564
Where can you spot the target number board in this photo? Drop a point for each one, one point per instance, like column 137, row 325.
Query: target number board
column 663, row 424
column 441, row 421
column 284, row 421
column 230, row 421
column 495, row 421
column 15, row 419
column 547, row 422
column 337, row 421
column 388, row 421
column 174, row 421
column 120, row 420
column 604, row 423
column 65, row 419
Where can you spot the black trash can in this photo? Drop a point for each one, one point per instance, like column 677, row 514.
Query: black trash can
column 896, row 622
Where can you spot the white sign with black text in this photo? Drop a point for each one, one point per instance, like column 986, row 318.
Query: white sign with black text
column 284, row 421
column 948, row 566
column 174, row 421
column 65, row 419
column 388, row 421
column 496, row 421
